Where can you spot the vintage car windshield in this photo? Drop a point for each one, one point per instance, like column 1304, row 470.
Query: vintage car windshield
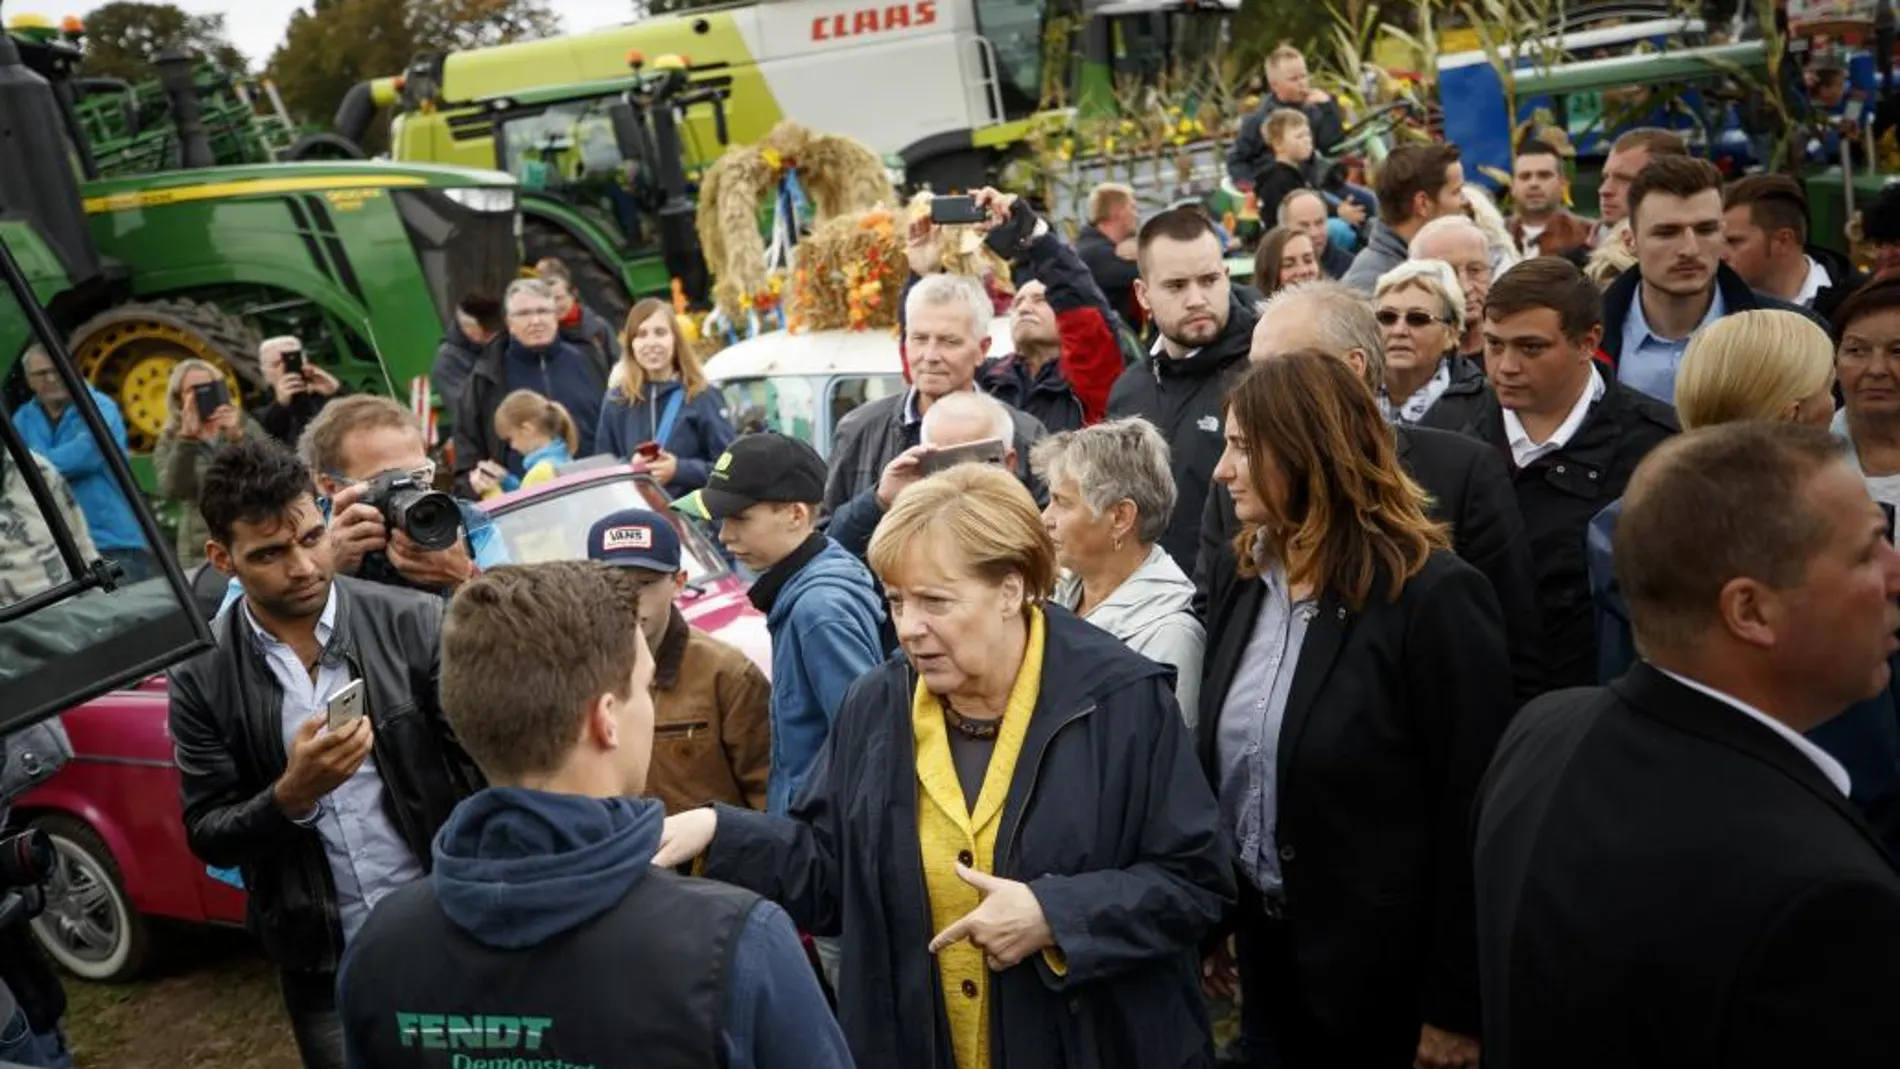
column 554, row 525
column 788, row 404
column 63, row 638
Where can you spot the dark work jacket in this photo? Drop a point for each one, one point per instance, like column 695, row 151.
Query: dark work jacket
column 594, row 332
column 1335, row 261
column 1463, row 396
column 1470, row 491
column 286, row 423
column 1865, row 739
column 1250, row 154
column 1107, row 819
column 1662, row 881
column 1844, row 278
column 1557, row 496
column 1113, row 274
column 227, row 726
column 477, row 440
column 454, row 361
column 1736, row 297
column 1392, row 716
column 1183, row 399
column 700, row 433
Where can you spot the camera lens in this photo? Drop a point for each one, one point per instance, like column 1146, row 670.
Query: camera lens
column 26, row 859
column 430, row 519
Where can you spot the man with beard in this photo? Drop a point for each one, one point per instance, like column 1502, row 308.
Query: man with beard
column 1204, row 336
column 1541, row 225
column 323, row 814
column 1679, row 284
column 530, row 356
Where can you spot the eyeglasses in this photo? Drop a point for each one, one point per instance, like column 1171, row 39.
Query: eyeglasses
column 423, row 474
column 533, row 313
column 1414, row 318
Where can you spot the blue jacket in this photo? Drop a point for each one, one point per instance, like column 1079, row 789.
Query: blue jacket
column 69, row 447
column 554, row 453
column 1865, row 739
column 824, row 628
column 515, row 868
column 562, row 372
column 701, row 431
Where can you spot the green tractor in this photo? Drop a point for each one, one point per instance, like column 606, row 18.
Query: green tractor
column 604, row 186
column 363, row 261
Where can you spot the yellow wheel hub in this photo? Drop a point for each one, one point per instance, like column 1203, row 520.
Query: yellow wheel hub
column 131, row 360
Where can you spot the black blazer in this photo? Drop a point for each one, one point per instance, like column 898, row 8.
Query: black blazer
column 1392, row 717
column 1663, row 881
column 1470, row 488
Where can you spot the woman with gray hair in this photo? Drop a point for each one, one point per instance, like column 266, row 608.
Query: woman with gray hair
column 1111, row 493
column 186, row 442
column 1421, row 314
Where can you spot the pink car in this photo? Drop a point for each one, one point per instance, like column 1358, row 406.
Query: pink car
column 113, row 813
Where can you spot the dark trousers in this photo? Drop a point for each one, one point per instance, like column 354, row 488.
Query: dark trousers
column 310, row 999
column 1278, row 1029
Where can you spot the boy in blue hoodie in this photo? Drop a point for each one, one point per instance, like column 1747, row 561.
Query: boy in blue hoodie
column 544, row 936
column 820, row 604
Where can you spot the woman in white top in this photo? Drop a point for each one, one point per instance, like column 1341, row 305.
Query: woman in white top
column 1111, row 492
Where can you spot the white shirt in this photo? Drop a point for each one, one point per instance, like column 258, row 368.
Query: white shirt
column 1817, row 280
column 1524, row 452
column 1822, row 759
column 1533, row 237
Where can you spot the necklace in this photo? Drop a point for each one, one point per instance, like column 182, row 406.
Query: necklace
column 979, row 730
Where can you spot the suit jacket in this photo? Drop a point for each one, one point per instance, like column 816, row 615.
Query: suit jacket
column 1392, row 717
column 1470, row 491
column 1664, row 881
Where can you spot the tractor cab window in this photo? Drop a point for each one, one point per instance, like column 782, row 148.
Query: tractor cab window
column 1151, row 45
column 571, row 151
column 65, row 637
column 1014, row 29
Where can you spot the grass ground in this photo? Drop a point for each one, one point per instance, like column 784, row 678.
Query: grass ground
column 210, row 1003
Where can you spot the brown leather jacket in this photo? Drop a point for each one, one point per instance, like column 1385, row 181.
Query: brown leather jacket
column 712, row 730
column 1565, row 231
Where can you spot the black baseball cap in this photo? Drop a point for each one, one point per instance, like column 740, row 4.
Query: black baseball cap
column 758, row 468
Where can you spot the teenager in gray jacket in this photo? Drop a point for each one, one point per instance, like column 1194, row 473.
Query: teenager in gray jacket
column 1111, row 493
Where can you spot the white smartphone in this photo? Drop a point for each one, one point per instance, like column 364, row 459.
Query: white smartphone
column 346, row 705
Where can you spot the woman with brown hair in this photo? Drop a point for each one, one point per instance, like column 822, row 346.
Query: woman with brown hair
column 1286, row 257
column 1356, row 681
column 659, row 405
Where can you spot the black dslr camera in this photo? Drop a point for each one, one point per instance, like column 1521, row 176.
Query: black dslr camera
column 26, row 862
column 430, row 518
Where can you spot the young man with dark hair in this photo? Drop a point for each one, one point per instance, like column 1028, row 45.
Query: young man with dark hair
column 546, row 936
column 1204, row 334
column 1571, row 435
column 478, row 320
column 711, row 705
column 1629, row 154
column 1765, row 219
column 1679, row 284
column 1540, row 224
column 324, row 815
column 1416, row 184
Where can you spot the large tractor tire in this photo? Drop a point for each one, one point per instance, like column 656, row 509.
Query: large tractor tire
column 128, row 354
column 601, row 289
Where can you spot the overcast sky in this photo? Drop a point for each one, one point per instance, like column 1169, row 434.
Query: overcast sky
column 257, row 26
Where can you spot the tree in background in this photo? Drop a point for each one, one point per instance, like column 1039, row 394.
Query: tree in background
column 122, row 38
column 335, row 44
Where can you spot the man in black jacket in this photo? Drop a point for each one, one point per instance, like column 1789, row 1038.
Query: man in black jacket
column 1680, row 283
column 1765, row 222
column 1469, row 487
column 1288, row 86
column 323, row 815
column 1570, row 434
column 1667, row 872
column 1107, row 246
column 1205, row 332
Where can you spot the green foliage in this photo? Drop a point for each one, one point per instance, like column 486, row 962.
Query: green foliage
column 122, row 38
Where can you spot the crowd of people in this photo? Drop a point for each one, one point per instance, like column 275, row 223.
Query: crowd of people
column 1475, row 648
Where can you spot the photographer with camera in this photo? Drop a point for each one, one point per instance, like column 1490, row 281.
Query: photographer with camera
column 387, row 522
column 200, row 416
column 299, row 389
column 311, row 748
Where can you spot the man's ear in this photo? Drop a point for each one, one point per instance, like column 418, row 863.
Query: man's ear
column 219, row 557
column 1141, row 296
column 679, row 583
column 603, row 723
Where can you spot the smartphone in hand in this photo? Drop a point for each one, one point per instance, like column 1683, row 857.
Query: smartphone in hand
column 648, row 451
column 347, row 706
column 208, row 397
column 987, row 451
column 954, row 211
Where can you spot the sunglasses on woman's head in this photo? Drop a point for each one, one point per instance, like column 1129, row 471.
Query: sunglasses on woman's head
column 1415, row 319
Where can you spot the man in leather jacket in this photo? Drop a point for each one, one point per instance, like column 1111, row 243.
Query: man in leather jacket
column 322, row 821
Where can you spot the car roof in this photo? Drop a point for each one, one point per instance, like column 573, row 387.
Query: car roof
column 825, row 352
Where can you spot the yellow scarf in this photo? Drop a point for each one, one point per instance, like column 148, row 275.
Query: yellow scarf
column 947, row 828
